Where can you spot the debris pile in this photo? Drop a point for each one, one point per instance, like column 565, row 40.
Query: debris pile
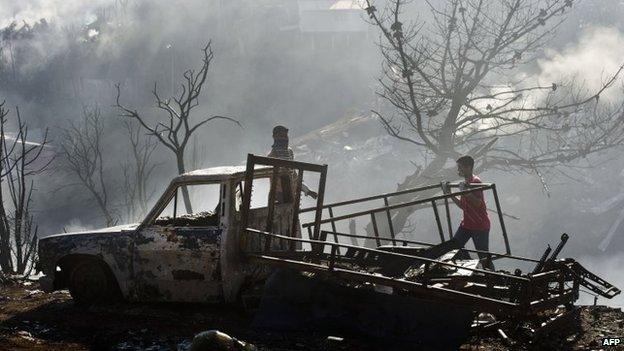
column 52, row 322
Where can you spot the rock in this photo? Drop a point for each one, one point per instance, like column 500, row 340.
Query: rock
column 335, row 339
column 25, row 335
column 214, row 340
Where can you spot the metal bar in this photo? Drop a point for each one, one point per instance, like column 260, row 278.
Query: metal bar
column 322, row 238
column 279, row 162
column 592, row 282
column 319, row 201
column 390, row 225
column 271, row 206
column 223, row 197
column 501, row 220
column 550, row 303
column 332, row 258
column 375, row 230
column 388, row 253
column 295, row 215
column 448, row 218
column 400, row 205
column 375, row 197
column 438, row 222
column 333, row 225
column 540, row 265
column 331, row 214
column 249, row 173
column 405, row 241
column 484, row 303
column 555, row 253
column 545, row 276
column 175, row 204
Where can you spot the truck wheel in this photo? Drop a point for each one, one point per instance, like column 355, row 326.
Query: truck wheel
column 91, row 282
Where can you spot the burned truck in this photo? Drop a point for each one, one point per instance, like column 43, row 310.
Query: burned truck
column 169, row 256
column 222, row 249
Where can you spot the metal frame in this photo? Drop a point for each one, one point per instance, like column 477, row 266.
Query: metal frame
column 553, row 282
column 495, row 292
column 432, row 200
column 277, row 164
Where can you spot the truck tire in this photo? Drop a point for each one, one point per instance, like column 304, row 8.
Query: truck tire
column 91, row 282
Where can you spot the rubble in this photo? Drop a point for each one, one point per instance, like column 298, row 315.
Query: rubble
column 214, row 340
column 54, row 323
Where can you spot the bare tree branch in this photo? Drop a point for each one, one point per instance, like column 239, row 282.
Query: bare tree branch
column 178, row 128
column 444, row 82
column 20, row 160
column 82, row 152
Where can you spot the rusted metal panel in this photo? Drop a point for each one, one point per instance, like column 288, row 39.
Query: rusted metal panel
column 177, row 264
column 113, row 246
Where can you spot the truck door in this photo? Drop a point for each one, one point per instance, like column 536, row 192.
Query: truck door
column 177, row 256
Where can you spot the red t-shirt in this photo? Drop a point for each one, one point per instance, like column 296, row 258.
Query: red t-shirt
column 475, row 216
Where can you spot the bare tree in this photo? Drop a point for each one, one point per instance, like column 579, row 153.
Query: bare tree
column 138, row 171
column 82, row 152
column 448, row 86
column 20, row 161
column 176, row 132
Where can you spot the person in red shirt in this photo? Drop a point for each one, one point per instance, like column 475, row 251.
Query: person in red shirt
column 476, row 222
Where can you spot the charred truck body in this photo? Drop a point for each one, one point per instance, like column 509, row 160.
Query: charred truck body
column 166, row 257
column 210, row 256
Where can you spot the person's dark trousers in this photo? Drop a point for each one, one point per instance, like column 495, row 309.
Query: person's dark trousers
column 481, row 240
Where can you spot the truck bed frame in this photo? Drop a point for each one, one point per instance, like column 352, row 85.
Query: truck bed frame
column 400, row 264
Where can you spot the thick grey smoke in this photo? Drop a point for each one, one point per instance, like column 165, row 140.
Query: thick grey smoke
column 598, row 53
column 59, row 11
column 273, row 65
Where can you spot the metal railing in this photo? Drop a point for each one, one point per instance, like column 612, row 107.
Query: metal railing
column 280, row 165
column 496, row 292
column 431, row 200
column 552, row 282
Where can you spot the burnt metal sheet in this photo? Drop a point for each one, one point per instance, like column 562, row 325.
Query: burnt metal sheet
column 177, row 264
column 113, row 247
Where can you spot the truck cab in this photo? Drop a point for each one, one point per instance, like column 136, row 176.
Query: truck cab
column 177, row 253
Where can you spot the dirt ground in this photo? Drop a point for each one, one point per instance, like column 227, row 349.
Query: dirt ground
column 33, row 320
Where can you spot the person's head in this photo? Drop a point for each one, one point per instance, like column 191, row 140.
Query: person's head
column 280, row 136
column 465, row 165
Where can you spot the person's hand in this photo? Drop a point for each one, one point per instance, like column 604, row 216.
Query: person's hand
column 463, row 186
column 312, row 194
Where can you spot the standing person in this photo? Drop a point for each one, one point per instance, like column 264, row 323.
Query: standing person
column 476, row 222
column 280, row 149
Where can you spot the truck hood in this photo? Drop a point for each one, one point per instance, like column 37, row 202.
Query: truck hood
column 108, row 230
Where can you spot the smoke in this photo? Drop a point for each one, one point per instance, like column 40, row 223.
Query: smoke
column 268, row 71
column 60, row 11
column 597, row 54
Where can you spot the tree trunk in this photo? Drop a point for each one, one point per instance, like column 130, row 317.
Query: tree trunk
column 185, row 194
column 6, row 263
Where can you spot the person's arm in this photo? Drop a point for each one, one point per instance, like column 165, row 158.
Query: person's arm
column 307, row 191
column 457, row 202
